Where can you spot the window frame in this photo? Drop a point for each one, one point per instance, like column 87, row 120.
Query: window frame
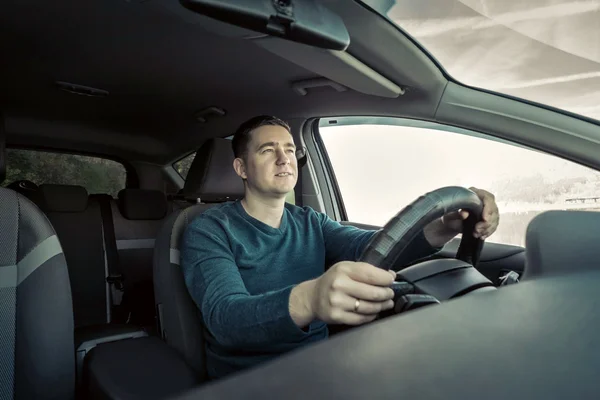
column 318, row 177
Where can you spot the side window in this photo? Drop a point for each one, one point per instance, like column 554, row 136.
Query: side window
column 183, row 166
column 383, row 165
column 97, row 175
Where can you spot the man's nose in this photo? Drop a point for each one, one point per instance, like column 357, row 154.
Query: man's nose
column 282, row 157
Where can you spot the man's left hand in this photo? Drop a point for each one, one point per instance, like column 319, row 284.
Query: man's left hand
column 490, row 216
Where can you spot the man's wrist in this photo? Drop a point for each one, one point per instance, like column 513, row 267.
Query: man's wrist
column 301, row 303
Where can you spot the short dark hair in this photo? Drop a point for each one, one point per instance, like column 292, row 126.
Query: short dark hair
column 241, row 138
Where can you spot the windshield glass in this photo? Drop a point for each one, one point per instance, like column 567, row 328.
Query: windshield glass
column 546, row 51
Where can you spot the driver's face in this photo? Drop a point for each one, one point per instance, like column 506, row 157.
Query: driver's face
column 270, row 167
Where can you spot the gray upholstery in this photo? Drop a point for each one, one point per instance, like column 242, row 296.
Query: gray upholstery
column 559, row 242
column 135, row 234
column 206, row 179
column 63, row 198
column 179, row 318
column 2, row 152
column 80, row 233
column 180, row 321
column 37, row 358
column 135, row 244
column 141, row 204
column 144, row 368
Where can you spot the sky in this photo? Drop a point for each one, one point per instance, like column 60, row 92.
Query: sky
column 546, row 51
column 380, row 169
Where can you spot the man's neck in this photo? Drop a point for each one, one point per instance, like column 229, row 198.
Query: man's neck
column 266, row 210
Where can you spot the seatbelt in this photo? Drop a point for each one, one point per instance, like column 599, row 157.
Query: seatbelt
column 115, row 277
column 302, row 157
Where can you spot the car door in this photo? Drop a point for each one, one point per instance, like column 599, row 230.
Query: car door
column 377, row 166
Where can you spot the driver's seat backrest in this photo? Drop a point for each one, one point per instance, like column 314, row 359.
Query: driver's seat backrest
column 211, row 178
column 37, row 355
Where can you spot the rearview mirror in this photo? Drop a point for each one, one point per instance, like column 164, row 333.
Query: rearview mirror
column 303, row 21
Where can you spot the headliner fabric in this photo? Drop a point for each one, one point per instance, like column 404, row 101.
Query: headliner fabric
column 141, row 204
column 211, row 176
column 63, row 198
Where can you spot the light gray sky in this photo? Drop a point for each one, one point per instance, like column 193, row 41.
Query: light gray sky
column 381, row 169
column 546, row 51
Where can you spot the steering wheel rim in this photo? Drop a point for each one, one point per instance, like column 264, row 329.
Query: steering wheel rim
column 387, row 245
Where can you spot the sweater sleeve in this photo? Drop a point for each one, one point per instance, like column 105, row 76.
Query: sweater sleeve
column 346, row 243
column 234, row 318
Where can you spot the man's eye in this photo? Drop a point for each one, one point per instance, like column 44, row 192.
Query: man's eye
column 267, row 150
column 291, row 151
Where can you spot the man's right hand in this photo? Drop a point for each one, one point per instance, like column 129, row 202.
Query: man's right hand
column 332, row 298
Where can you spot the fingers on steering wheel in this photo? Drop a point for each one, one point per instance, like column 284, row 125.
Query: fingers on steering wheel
column 351, row 318
column 369, row 308
column 369, row 274
column 363, row 291
column 365, row 307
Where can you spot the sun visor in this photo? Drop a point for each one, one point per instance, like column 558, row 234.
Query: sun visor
column 206, row 23
column 338, row 66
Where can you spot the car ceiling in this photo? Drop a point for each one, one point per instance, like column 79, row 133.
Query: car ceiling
column 162, row 63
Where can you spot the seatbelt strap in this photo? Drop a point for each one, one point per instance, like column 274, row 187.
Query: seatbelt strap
column 302, row 157
column 115, row 277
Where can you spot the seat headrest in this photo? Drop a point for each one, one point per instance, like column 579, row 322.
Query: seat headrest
column 136, row 204
column 2, row 150
column 62, row 198
column 559, row 242
column 211, row 176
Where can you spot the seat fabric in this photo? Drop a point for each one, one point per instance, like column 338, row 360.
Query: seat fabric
column 37, row 359
column 211, row 178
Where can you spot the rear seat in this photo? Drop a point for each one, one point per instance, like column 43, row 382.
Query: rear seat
column 137, row 216
column 77, row 220
column 78, row 225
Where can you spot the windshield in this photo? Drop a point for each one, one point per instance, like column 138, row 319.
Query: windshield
column 546, row 51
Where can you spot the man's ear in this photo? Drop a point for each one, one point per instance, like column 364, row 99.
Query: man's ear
column 240, row 168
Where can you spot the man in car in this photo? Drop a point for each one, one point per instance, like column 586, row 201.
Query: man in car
column 256, row 268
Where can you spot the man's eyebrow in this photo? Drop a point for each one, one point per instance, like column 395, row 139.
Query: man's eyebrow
column 274, row 144
column 266, row 144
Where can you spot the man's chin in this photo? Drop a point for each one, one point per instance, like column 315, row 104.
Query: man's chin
column 282, row 192
column 283, row 189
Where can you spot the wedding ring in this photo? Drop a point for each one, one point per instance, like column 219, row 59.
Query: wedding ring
column 356, row 305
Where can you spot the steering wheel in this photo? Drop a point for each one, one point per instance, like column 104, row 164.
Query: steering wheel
column 438, row 279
